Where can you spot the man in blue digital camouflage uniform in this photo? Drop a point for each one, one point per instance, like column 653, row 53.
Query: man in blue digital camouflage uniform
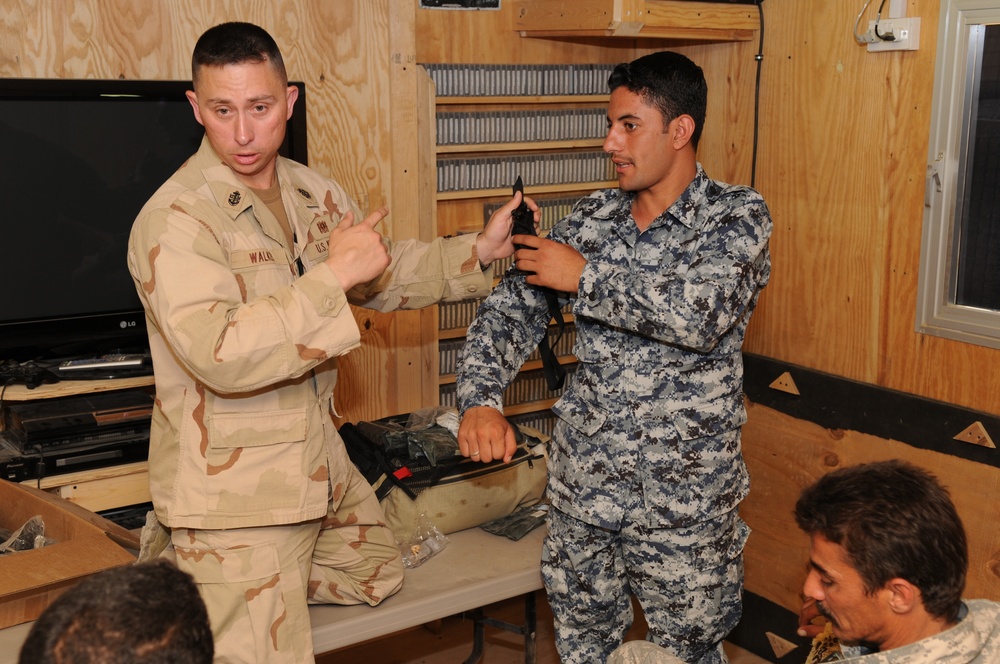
column 646, row 471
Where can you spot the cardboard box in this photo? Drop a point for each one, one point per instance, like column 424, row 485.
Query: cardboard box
column 85, row 543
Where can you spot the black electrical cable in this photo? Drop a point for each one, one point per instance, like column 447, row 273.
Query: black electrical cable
column 40, row 468
column 756, row 99
column 878, row 17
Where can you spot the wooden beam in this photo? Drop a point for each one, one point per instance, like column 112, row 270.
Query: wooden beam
column 412, row 332
column 658, row 19
column 532, row 16
column 695, row 16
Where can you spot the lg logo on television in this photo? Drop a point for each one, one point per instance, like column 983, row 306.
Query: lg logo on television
column 125, row 324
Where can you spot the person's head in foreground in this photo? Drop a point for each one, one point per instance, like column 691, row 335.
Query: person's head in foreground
column 148, row 613
column 887, row 556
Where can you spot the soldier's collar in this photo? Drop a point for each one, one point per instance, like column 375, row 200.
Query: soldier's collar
column 231, row 198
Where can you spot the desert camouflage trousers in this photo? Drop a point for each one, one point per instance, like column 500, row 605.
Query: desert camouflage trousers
column 688, row 581
column 257, row 582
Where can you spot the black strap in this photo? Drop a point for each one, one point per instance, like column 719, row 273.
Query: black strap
column 554, row 372
column 524, row 224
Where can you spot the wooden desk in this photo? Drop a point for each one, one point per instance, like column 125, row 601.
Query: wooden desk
column 475, row 569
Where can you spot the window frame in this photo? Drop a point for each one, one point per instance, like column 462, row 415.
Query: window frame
column 951, row 119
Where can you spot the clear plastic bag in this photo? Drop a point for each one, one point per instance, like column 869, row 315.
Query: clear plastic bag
column 29, row 536
column 425, row 542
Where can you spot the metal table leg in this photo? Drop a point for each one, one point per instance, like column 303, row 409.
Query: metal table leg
column 528, row 629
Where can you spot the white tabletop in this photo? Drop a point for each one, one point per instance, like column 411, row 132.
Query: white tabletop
column 474, row 570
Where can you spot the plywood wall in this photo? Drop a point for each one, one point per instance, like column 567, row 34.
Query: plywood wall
column 843, row 149
column 785, row 454
column 842, row 156
column 844, row 138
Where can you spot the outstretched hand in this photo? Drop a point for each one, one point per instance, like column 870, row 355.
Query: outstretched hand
column 357, row 253
column 495, row 241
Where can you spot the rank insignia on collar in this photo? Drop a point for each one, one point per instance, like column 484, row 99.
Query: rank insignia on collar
column 305, row 194
column 234, row 198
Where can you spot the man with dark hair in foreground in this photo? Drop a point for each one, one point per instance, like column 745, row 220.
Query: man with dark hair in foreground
column 149, row 613
column 887, row 566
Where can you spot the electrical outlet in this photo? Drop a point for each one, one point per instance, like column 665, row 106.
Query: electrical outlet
column 894, row 34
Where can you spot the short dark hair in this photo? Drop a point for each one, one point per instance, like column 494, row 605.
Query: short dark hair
column 235, row 43
column 894, row 520
column 147, row 613
column 669, row 81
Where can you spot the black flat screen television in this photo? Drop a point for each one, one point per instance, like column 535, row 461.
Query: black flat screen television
column 80, row 159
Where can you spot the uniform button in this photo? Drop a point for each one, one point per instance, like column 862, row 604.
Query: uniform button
column 472, row 289
column 330, row 302
column 592, row 296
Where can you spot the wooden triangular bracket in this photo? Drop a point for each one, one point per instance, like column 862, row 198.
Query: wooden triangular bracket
column 976, row 434
column 780, row 646
column 784, row 383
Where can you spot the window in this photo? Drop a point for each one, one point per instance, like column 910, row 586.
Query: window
column 959, row 289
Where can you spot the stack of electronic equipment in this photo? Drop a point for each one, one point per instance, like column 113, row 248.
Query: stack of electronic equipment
column 60, row 435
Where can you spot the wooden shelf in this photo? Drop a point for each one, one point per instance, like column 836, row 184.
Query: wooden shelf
column 101, row 488
column 672, row 20
column 65, row 388
column 453, row 333
column 520, row 147
column 459, row 332
column 521, row 100
column 451, row 205
column 448, row 379
column 504, row 192
column 97, row 489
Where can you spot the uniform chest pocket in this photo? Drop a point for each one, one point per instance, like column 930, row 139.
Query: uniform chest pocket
column 318, row 238
column 230, row 430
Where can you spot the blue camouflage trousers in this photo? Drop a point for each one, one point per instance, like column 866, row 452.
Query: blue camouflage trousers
column 688, row 581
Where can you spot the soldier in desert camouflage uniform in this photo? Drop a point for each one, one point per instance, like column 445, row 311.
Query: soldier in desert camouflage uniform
column 245, row 263
column 645, row 471
column 887, row 567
